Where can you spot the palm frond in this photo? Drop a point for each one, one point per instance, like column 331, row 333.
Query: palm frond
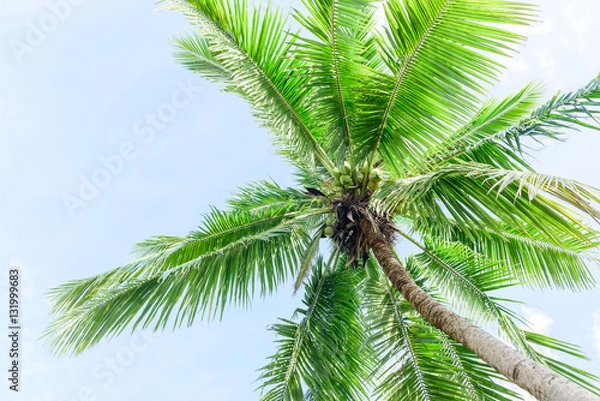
column 476, row 195
column 269, row 195
column 493, row 117
column 323, row 349
column 561, row 114
column 247, row 50
column 193, row 52
column 442, row 53
column 536, row 262
column 339, row 38
column 417, row 361
column 464, row 278
column 307, row 260
column 234, row 256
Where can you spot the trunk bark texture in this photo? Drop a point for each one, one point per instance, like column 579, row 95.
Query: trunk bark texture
column 540, row 381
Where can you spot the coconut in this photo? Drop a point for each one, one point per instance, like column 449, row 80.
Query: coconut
column 373, row 185
column 376, row 175
column 365, row 167
column 347, row 168
column 328, row 231
column 356, row 176
column 346, row 180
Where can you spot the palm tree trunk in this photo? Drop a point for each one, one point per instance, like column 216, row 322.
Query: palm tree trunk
column 538, row 380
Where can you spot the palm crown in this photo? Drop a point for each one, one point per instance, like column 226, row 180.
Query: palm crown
column 386, row 121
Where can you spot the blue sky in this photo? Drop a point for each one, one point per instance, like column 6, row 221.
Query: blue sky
column 99, row 87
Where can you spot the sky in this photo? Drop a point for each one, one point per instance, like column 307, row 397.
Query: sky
column 89, row 92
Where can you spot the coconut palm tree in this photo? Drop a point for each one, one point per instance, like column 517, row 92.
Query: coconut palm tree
column 420, row 185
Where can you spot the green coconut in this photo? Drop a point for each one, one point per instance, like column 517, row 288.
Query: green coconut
column 347, row 168
column 356, row 175
column 376, row 175
column 346, row 180
column 365, row 167
column 328, row 231
column 373, row 185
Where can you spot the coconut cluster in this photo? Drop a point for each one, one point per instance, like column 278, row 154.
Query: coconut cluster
column 350, row 178
column 349, row 181
column 350, row 202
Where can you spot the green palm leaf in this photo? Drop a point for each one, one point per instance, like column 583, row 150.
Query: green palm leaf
column 488, row 209
column 543, row 345
column 536, row 261
column 335, row 52
column 493, row 117
column 247, row 51
column 561, row 114
column 476, row 195
column 234, row 256
column 417, row 361
column 441, row 54
column 322, row 349
column 193, row 51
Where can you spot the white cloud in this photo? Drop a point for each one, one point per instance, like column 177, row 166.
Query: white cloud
column 596, row 330
column 539, row 322
column 582, row 25
column 565, row 40
column 544, row 27
column 546, row 62
column 380, row 17
column 517, row 65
